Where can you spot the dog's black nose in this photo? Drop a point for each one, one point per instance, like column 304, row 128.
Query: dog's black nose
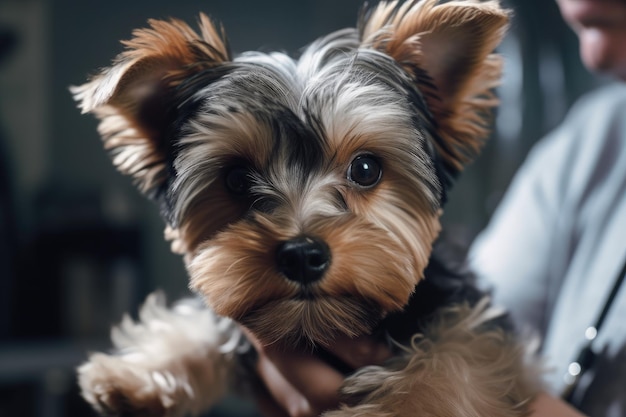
column 303, row 259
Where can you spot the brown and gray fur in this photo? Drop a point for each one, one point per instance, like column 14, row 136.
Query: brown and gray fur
column 352, row 147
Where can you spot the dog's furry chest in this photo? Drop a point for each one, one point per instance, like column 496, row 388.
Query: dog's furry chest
column 446, row 283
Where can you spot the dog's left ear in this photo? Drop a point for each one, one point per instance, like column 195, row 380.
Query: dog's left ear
column 137, row 98
column 453, row 44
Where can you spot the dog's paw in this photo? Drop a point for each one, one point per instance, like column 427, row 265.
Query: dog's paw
column 171, row 362
column 117, row 387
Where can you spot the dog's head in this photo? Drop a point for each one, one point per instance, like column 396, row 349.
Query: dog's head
column 305, row 194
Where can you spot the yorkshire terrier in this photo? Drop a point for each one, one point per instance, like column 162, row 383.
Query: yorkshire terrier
column 305, row 196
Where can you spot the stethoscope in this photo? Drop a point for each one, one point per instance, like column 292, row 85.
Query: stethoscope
column 586, row 356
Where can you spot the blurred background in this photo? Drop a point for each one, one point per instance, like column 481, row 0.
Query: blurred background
column 79, row 246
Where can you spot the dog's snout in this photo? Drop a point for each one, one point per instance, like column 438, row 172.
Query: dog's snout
column 303, row 259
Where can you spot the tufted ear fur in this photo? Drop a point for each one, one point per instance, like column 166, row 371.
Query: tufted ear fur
column 136, row 99
column 447, row 49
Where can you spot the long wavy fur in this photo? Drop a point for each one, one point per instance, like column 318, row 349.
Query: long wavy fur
column 163, row 363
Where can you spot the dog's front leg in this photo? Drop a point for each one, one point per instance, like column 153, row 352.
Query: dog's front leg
column 172, row 362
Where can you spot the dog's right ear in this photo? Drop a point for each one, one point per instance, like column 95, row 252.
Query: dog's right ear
column 447, row 48
column 136, row 99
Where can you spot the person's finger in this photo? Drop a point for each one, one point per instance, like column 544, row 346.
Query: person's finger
column 361, row 351
column 281, row 398
column 266, row 404
column 301, row 383
column 312, row 378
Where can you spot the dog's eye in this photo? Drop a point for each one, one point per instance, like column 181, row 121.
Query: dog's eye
column 237, row 180
column 365, row 170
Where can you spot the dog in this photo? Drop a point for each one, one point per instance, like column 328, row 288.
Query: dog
column 305, row 196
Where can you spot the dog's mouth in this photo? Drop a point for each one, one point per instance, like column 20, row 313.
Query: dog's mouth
column 309, row 293
column 310, row 318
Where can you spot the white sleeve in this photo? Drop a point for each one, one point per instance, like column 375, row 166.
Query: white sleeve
column 512, row 256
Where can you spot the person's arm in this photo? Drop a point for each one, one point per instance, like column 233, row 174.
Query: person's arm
column 512, row 255
column 302, row 385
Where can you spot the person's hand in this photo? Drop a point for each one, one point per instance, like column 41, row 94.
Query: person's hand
column 303, row 385
column 546, row 405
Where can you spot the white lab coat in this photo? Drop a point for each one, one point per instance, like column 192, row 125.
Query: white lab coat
column 556, row 243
